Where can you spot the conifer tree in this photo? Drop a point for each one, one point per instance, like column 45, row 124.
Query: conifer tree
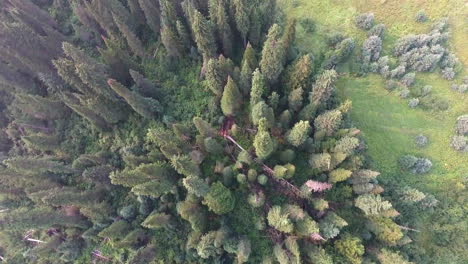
column 230, row 102
column 372, row 204
column 323, row 87
column 258, row 87
column 339, row 175
column 144, row 86
column 273, row 55
column 242, row 17
column 295, row 99
column 146, row 107
column 135, row 44
column 203, row 127
column 262, row 110
column 263, row 143
column 350, row 247
column 204, row 37
column 219, row 199
column 221, row 20
column 217, row 72
column 157, row 220
column 152, row 14
column 279, row 219
column 298, row 75
column 328, row 121
column 288, row 39
column 299, row 133
column 246, row 78
column 385, row 229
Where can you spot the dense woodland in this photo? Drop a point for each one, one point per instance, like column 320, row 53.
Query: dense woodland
column 146, row 131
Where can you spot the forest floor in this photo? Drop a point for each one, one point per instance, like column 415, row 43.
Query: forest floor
column 388, row 125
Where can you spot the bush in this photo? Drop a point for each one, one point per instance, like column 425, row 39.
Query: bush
column 408, row 79
column 421, row 140
column 421, row 16
column 377, row 30
column 448, row 74
column 371, row 49
column 462, row 125
column 334, row 38
column 414, row 164
column 433, row 103
column 391, row 85
column 404, row 93
column 459, row 143
column 426, row 90
column 413, row 102
column 307, row 24
column 365, row 21
column 398, row 72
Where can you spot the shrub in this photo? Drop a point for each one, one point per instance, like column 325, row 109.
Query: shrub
column 413, row 102
column 377, row 30
column 404, row 93
column 391, row 85
column 433, row 103
column 334, row 38
column 421, row 16
column 414, row 164
column 398, row 72
column 459, row 143
column 371, row 49
column 307, row 24
column 408, row 79
column 421, row 140
column 426, row 90
column 365, row 21
column 448, row 73
column 462, row 125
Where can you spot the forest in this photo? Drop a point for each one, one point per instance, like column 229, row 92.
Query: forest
column 219, row 131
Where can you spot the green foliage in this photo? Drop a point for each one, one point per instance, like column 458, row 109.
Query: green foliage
column 299, row 133
column 156, row 221
column 262, row 110
column 272, row 59
column 230, row 101
column 219, row 199
column 350, row 247
column 263, row 143
column 279, row 219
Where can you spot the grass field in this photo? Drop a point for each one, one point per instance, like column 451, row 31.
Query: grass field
column 388, row 124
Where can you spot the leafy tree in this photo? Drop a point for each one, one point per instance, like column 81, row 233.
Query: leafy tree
column 219, row 199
